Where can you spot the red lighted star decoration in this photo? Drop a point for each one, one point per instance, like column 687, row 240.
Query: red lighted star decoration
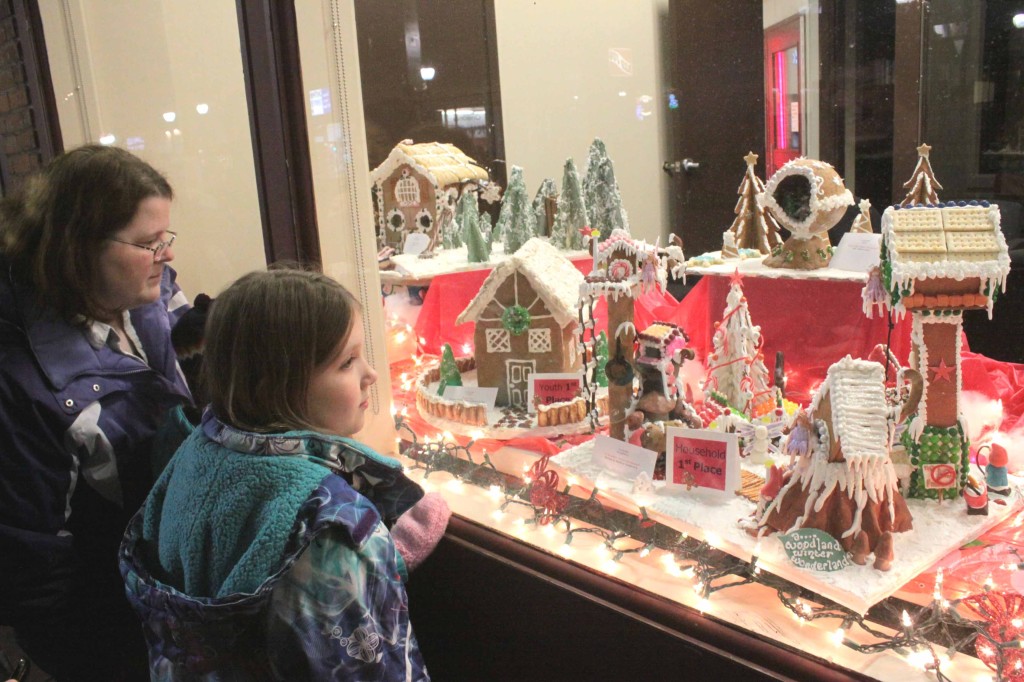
column 942, row 371
column 736, row 279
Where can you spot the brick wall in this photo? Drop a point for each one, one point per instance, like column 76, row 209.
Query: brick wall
column 23, row 143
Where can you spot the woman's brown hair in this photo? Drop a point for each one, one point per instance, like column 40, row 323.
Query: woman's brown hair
column 266, row 335
column 53, row 230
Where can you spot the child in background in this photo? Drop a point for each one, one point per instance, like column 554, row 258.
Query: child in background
column 264, row 551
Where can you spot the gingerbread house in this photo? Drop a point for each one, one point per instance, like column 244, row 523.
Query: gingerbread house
column 625, row 267
column 844, row 482
column 417, row 188
column 526, row 316
column 936, row 262
column 661, row 347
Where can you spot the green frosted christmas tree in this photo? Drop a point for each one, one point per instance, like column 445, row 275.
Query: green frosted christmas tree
column 449, row 370
column 572, row 211
column 478, row 246
column 601, row 353
column 601, row 192
column 546, row 194
column 516, row 221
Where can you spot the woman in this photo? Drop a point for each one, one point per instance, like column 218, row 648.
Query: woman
column 87, row 374
column 273, row 545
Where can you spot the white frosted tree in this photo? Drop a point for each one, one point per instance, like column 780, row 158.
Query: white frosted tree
column 516, row 221
column 572, row 211
column 601, row 192
column 547, row 191
column 735, row 367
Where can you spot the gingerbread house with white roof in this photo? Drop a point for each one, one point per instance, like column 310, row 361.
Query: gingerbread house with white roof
column 936, row 262
column 844, row 482
column 417, row 188
column 526, row 316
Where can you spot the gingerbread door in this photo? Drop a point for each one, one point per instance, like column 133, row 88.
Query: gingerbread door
column 517, row 376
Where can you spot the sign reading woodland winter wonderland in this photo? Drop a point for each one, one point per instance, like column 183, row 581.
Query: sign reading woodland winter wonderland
column 814, row 550
column 707, row 460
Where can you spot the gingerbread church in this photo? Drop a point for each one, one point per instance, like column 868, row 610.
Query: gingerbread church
column 526, row 316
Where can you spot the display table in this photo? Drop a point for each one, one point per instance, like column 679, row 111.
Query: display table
column 413, row 270
column 536, row 608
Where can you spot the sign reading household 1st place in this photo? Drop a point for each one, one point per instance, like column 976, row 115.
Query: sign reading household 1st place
column 701, row 459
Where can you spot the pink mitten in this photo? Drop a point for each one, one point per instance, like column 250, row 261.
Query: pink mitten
column 418, row 530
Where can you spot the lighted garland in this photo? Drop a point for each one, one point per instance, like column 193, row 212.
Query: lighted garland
column 926, row 634
column 516, row 319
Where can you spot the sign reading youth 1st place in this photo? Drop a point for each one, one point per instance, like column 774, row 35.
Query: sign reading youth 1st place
column 706, row 460
column 548, row 388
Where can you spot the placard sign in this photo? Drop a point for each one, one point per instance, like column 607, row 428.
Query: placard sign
column 706, row 460
column 623, row 459
column 857, row 251
column 553, row 388
column 416, row 243
column 473, row 394
column 814, row 550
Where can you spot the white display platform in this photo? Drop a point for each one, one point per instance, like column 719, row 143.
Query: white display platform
column 752, row 607
column 938, row 529
column 755, row 267
column 495, row 414
column 412, row 270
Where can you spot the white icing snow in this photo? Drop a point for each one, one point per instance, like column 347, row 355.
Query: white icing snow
column 553, row 277
column 938, row 529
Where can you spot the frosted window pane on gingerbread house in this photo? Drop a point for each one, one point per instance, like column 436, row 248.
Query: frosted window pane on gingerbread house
column 498, row 341
column 407, row 192
column 539, row 340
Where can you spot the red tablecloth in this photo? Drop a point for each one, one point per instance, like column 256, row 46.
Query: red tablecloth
column 813, row 322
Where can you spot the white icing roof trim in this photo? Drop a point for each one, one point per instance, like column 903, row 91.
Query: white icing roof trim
column 553, row 277
column 859, row 410
column 903, row 272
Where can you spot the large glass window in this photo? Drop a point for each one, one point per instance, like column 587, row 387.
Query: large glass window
column 164, row 80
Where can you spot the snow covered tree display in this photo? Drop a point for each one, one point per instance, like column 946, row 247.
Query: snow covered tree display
column 736, row 366
column 922, row 184
column 545, row 205
column 601, row 192
column 572, row 211
column 516, row 222
column 478, row 245
column 753, row 228
column 449, row 370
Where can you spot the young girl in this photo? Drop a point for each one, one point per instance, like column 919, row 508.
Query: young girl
column 263, row 552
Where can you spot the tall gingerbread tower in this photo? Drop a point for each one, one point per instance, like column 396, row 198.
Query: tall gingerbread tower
column 624, row 268
column 936, row 262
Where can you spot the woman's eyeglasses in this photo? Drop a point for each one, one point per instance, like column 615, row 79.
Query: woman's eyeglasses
column 157, row 250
